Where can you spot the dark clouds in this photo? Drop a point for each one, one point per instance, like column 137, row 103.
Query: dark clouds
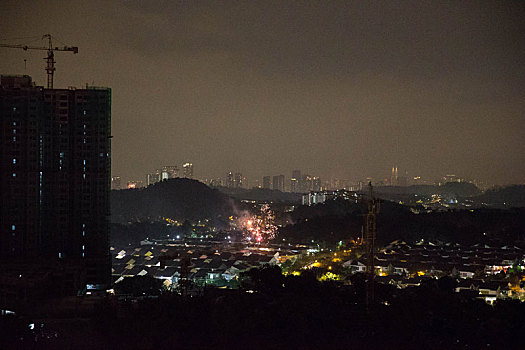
column 336, row 88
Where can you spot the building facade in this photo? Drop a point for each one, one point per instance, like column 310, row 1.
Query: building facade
column 187, row 169
column 278, row 183
column 55, row 179
column 267, row 182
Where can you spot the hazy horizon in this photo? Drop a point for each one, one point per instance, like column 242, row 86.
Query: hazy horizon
column 338, row 89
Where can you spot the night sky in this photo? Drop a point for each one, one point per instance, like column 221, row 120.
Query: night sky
column 334, row 88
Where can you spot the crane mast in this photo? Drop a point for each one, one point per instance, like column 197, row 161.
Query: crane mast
column 50, row 59
column 373, row 209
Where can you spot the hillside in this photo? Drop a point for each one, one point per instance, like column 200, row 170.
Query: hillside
column 180, row 199
column 340, row 220
column 504, row 197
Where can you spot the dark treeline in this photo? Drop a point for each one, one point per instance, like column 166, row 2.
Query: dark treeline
column 295, row 312
column 341, row 220
column 510, row 196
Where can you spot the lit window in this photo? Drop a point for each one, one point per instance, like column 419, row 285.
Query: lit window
column 14, row 160
column 13, row 227
column 14, row 174
column 60, row 255
column 14, row 131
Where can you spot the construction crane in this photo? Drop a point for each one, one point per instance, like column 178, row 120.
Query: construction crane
column 50, row 59
column 373, row 209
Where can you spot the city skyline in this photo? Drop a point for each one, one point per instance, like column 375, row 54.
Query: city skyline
column 291, row 181
column 339, row 90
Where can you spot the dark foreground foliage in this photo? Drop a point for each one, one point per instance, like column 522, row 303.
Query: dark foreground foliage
column 293, row 313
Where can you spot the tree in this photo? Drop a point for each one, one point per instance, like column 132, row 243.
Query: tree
column 139, row 285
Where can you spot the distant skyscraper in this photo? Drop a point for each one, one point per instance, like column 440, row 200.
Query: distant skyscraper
column 316, row 183
column 152, row 178
column 403, row 180
column 394, row 177
column 115, row 183
column 164, row 174
column 305, row 185
column 55, row 159
column 171, row 171
column 229, row 180
column 267, row 182
column 418, row 180
column 187, row 170
column 238, row 180
column 278, row 183
column 295, row 181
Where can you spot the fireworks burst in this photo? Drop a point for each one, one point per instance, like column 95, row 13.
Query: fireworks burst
column 259, row 228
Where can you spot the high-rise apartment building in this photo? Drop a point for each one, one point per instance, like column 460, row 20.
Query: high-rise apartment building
column 394, row 177
column 55, row 158
column 316, row 183
column 152, row 178
column 267, row 182
column 170, row 172
column 187, row 170
column 278, row 183
column 238, row 180
column 229, row 180
column 306, row 183
column 295, row 181
column 115, row 183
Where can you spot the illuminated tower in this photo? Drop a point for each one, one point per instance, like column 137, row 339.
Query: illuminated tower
column 152, row 178
column 238, row 180
column 229, row 180
column 187, row 170
column 115, row 183
column 394, row 179
column 295, row 181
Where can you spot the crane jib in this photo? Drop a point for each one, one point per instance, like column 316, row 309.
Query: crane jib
column 50, row 68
